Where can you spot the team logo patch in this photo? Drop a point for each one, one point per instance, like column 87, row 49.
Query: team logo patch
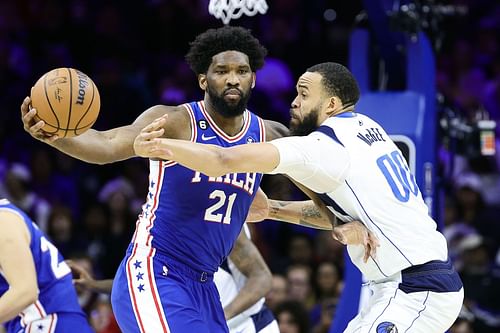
column 250, row 139
column 387, row 327
column 202, row 124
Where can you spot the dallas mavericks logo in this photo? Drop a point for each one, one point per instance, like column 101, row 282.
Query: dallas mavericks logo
column 250, row 139
column 387, row 327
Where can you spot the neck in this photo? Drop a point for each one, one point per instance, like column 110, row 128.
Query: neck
column 343, row 109
column 230, row 125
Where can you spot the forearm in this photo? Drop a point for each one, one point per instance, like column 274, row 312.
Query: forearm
column 256, row 287
column 101, row 286
column 13, row 302
column 94, row 147
column 207, row 159
column 304, row 213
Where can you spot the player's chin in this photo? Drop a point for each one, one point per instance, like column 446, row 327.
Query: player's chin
column 294, row 123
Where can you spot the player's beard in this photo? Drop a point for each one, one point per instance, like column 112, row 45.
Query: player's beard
column 308, row 124
column 224, row 108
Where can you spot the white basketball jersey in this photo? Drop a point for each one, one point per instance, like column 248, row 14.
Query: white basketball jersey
column 371, row 182
column 229, row 280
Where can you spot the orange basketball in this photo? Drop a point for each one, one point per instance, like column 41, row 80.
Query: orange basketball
column 67, row 101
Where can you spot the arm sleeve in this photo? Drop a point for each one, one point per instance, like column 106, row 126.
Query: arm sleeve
column 315, row 161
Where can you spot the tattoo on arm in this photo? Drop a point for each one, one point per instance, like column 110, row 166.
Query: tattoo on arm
column 310, row 211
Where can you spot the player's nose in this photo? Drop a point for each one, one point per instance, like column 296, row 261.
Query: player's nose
column 233, row 79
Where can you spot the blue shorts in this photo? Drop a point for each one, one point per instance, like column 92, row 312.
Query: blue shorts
column 153, row 293
column 61, row 322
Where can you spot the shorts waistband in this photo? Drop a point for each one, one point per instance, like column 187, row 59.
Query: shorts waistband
column 434, row 266
column 170, row 263
column 436, row 276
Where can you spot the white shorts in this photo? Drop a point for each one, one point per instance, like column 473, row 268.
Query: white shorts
column 392, row 308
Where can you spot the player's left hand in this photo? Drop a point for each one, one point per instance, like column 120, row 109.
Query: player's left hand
column 82, row 278
column 355, row 233
column 259, row 210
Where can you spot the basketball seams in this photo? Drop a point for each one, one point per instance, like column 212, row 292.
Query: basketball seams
column 70, row 100
column 88, row 109
column 48, row 100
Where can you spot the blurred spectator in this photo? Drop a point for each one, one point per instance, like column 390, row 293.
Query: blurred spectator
column 102, row 318
column 328, row 249
column 278, row 293
column 118, row 197
column 327, row 308
column 292, row 317
column 17, row 188
column 299, row 285
column 328, row 289
column 481, row 279
column 61, row 231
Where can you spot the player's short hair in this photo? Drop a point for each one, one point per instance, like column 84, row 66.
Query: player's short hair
column 338, row 81
column 227, row 38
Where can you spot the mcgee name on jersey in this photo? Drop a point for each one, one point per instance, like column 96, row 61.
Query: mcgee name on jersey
column 372, row 135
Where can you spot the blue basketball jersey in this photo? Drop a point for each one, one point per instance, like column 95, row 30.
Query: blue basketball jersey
column 189, row 216
column 57, row 294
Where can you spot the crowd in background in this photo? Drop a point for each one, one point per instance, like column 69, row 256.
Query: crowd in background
column 134, row 53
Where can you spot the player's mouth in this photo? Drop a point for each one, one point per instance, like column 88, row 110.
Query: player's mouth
column 233, row 93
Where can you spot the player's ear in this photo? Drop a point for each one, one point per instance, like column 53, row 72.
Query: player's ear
column 202, row 81
column 254, row 79
column 334, row 104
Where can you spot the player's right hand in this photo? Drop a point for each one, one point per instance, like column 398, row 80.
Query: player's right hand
column 356, row 233
column 33, row 127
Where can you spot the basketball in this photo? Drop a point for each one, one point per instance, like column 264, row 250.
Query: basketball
column 67, row 101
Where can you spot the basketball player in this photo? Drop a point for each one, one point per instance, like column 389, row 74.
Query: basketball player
column 242, row 281
column 189, row 222
column 36, row 292
column 356, row 169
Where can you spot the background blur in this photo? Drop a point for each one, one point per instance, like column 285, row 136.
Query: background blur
column 134, row 51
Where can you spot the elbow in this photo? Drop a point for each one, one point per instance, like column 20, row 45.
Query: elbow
column 28, row 295
column 32, row 295
column 266, row 281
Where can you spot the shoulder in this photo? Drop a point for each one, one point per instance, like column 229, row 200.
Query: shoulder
column 177, row 112
column 12, row 225
column 178, row 124
column 275, row 130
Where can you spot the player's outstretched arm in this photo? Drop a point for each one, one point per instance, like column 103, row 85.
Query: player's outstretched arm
column 208, row 159
column 83, row 279
column 248, row 260
column 18, row 268
column 101, row 147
